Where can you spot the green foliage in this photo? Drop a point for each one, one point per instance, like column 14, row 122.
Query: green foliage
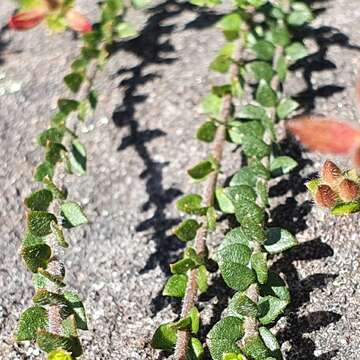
column 73, row 214
column 39, row 200
column 175, row 286
column 187, row 229
column 207, row 131
column 30, row 321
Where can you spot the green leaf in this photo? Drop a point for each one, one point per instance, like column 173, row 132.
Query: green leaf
column 279, row 240
column 286, row 107
column 74, row 81
column 248, row 175
column 249, row 209
column 211, row 105
column 270, row 308
column 346, row 209
column 312, row 185
column 253, row 229
column 237, row 253
column 223, row 336
column 257, row 3
column 265, row 95
column 296, row 51
column 44, row 169
column 233, row 356
column 207, row 131
column 31, row 239
column 280, row 35
column 282, row 165
column 182, row 266
column 300, row 15
column 77, row 157
column 39, row 200
column 225, row 204
column 223, row 60
column 53, row 153
column 230, row 25
column 260, row 70
column 208, row 3
column 59, row 354
column 252, row 112
column 49, row 342
column 76, row 307
column 73, row 215
column 201, row 170
column 45, row 297
column 191, row 204
column 36, row 256
column 234, row 236
column 255, row 147
column 195, row 320
column 59, row 235
column 201, row 279
column 269, row 339
column 30, row 321
column 138, row 4
column 56, row 192
column 241, row 306
column 281, row 68
column 54, row 135
column 66, row 106
column 239, row 193
column 39, row 222
column 186, row 230
column 275, row 286
column 264, row 50
column 197, row 348
column 259, row 264
column 262, row 192
column 255, row 348
column 125, row 30
column 175, row 286
column 164, row 337
column 240, row 130
column 40, row 281
column 79, row 64
column 237, row 276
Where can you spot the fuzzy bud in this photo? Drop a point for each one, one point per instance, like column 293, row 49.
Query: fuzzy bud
column 348, row 190
column 331, row 174
column 325, row 196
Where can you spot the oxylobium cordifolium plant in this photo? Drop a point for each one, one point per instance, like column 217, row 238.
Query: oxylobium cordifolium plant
column 258, row 51
column 335, row 190
column 57, row 314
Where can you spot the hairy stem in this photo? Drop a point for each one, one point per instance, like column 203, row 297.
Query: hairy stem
column 208, row 199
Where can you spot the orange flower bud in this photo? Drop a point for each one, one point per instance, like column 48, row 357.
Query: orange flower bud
column 348, row 190
column 331, row 174
column 325, row 196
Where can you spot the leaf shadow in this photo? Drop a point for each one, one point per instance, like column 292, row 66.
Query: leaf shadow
column 152, row 47
column 299, row 325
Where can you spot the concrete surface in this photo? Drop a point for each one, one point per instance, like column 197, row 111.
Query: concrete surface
column 139, row 143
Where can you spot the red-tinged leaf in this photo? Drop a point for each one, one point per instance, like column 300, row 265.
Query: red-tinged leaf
column 325, row 135
column 356, row 157
column 78, row 22
column 27, row 20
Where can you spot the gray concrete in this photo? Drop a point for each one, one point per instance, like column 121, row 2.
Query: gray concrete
column 139, row 143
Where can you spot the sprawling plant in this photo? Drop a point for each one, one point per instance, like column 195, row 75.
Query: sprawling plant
column 257, row 54
column 58, row 313
column 336, row 190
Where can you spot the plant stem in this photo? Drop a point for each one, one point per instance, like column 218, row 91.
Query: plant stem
column 208, row 200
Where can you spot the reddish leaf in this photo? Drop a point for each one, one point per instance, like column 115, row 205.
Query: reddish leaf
column 325, row 135
column 77, row 21
column 356, row 157
column 27, row 20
